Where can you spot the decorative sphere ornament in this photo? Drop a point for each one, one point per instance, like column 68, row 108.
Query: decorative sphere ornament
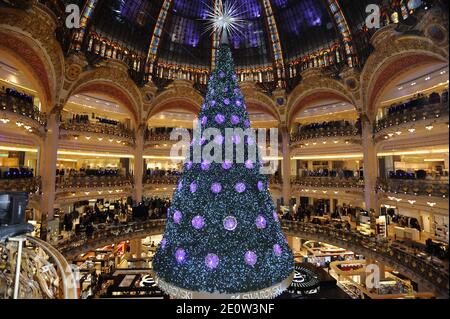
column 260, row 186
column 205, row 165
column 249, row 164
column 193, row 187
column 204, row 120
column 198, row 222
column 220, row 119
column 247, row 123
column 189, row 165
column 250, row 258
column 238, row 103
column 219, row 139
column 180, row 255
column 275, row 216
column 180, row 185
column 236, row 139
column 227, row 165
column 222, row 74
column 212, row 261
column 230, row 223
column 163, row 243
column 277, row 250
column 213, row 103
column 204, row 106
column 234, row 77
column 226, row 101
column 250, row 140
column 261, row 222
column 235, row 119
column 216, row 188
column 226, row 89
column 240, row 188
column 177, row 216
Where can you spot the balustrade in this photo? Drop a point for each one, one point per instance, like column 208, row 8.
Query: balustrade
column 325, row 132
column 412, row 115
column 328, row 182
column 414, row 187
column 99, row 128
column 87, row 182
column 30, row 185
column 21, row 107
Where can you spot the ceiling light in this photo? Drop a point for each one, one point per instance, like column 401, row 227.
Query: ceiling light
column 443, row 72
column 335, row 142
column 412, row 202
column 88, row 138
column 391, row 134
column 412, row 130
column 400, row 88
column 429, row 127
column 428, row 78
column 324, row 142
column 414, row 83
column 431, row 204
column 5, row 121
column 398, row 133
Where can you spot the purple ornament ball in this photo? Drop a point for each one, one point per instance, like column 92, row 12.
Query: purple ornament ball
column 193, row 187
column 235, row 119
column 230, row 223
column 205, row 165
column 212, row 261
column 277, row 250
column 261, row 222
column 222, row 74
column 204, row 120
column 226, row 101
column 219, row 139
column 240, row 188
column 249, row 164
column 220, row 119
column 238, row 103
column 198, row 222
column 216, row 188
column 163, row 243
column 260, row 186
column 275, row 216
column 227, row 165
column 180, row 255
column 250, row 258
column 177, row 216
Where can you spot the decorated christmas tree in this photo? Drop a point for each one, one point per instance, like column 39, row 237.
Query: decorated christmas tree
column 223, row 237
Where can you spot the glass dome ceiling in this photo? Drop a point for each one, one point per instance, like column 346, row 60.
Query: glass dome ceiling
column 167, row 38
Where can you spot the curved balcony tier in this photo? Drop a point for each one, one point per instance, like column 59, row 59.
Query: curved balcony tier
column 328, row 182
column 74, row 184
column 30, row 185
column 428, row 188
column 350, row 132
column 99, row 130
column 419, row 268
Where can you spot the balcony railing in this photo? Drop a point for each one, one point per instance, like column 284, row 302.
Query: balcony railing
column 160, row 180
column 30, row 185
column 414, row 187
column 157, row 137
column 15, row 105
column 415, row 114
column 98, row 128
column 74, row 183
column 385, row 250
column 110, row 235
column 328, row 182
column 329, row 132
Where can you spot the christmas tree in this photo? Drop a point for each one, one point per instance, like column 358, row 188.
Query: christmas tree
column 223, row 237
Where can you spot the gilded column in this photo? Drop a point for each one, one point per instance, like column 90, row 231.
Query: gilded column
column 370, row 166
column 286, row 169
column 139, row 164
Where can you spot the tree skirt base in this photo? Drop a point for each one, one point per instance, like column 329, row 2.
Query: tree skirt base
column 267, row 293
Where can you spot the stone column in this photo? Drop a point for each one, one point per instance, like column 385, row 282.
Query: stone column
column 139, row 165
column 286, row 172
column 370, row 167
column 47, row 168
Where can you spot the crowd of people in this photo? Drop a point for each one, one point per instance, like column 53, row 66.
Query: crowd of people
column 28, row 99
column 417, row 175
column 91, row 172
column 161, row 172
column 334, row 173
column 309, row 128
column 152, row 208
column 16, row 173
column 418, row 101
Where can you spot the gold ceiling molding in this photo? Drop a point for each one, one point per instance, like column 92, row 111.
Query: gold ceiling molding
column 33, row 40
column 395, row 54
column 110, row 79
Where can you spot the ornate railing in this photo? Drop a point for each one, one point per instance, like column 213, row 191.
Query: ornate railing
column 414, row 114
column 74, row 183
column 16, row 105
column 163, row 180
column 329, row 132
column 328, row 182
column 157, row 137
column 99, row 128
column 400, row 258
column 30, row 185
column 44, row 272
column 76, row 245
column 414, row 187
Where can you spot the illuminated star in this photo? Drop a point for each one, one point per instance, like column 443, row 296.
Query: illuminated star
column 225, row 18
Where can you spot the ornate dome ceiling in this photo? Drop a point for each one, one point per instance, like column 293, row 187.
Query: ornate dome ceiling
column 281, row 38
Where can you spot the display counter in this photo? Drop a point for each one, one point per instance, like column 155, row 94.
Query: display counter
column 407, row 233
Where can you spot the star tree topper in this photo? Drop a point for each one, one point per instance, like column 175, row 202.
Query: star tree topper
column 225, row 19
